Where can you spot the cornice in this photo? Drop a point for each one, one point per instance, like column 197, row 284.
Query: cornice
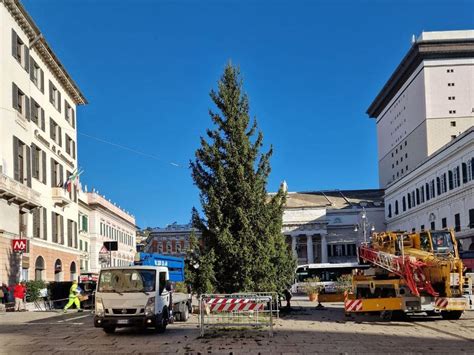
column 24, row 20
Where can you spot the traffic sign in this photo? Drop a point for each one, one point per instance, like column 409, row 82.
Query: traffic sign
column 19, row 245
column 103, row 250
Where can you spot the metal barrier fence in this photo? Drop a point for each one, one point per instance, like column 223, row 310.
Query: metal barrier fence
column 235, row 310
column 275, row 300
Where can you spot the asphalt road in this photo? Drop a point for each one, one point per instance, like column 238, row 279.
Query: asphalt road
column 305, row 330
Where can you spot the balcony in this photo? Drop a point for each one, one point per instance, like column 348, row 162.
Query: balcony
column 14, row 192
column 60, row 197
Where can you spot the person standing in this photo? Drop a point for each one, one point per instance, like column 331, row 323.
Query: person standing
column 74, row 293
column 19, row 293
column 6, row 293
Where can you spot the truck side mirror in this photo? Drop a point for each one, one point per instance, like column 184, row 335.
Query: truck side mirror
column 168, row 286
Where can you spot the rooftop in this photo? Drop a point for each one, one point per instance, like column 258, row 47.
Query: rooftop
column 336, row 199
column 429, row 45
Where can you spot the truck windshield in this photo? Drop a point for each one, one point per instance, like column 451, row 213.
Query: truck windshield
column 127, row 280
column 442, row 242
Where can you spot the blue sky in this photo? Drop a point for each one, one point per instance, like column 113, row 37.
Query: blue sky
column 310, row 68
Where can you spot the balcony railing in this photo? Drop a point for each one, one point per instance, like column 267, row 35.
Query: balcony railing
column 60, row 197
column 15, row 192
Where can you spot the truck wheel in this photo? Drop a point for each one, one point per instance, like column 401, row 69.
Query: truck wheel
column 184, row 315
column 451, row 315
column 109, row 330
column 162, row 323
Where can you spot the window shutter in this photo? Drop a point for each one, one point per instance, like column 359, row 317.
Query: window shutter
column 28, row 166
column 464, row 173
column 16, row 167
column 458, row 177
column 53, row 175
column 74, row 149
column 69, row 233
column 61, row 228
column 27, row 108
column 42, row 81
column 60, row 140
column 54, row 227
column 14, row 44
column 61, row 176
column 44, row 167
column 438, row 185
column 15, row 96
column 32, row 69
column 50, row 91
column 450, row 174
column 36, row 223
column 45, row 224
column 43, row 123
column 73, row 118
column 75, row 235
column 34, row 161
column 33, row 110
column 59, row 101
column 27, row 58
column 65, row 109
column 444, row 183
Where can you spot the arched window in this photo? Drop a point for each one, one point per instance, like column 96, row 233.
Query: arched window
column 73, row 271
column 39, row 269
column 168, row 247
column 58, row 270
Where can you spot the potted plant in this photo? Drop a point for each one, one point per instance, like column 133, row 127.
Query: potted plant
column 312, row 288
column 344, row 284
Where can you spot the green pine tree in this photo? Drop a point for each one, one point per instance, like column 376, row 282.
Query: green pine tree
column 241, row 229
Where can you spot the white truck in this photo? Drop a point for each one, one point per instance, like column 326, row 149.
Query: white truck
column 141, row 295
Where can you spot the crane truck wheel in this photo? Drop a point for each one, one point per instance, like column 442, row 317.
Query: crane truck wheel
column 451, row 315
column 163, row 322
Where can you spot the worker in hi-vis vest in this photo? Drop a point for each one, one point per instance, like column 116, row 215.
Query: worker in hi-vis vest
column 74, row 293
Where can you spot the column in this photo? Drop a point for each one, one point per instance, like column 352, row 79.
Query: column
column 293, row 245
column 309, row 247
column 324, row 249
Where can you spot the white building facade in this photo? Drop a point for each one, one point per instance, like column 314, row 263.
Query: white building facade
column 320, row 226
column 108, row 222
column 424, row 116
column 438, row 194
column 38, row 101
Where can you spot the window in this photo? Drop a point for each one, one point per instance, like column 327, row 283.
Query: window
column 84, row 224
column 471, row 218
column 427, row 191
column 413, row 201
column 20, row 51
column 444, row 223
column 38, row 163
column 36, row 75
column 57, row 225
column 37, row 115
column 457, row 222
column 422, row 228
column 432, row 189
column 70, row 237
column 422, row 194
column 396, row 207
column 56, row 174
column 69, row 114
column 20, row 102
column 54, row 96
column 70, row 147
column 413, row 230
column 40, row 223
column 80, row 247
column 456, row 177
column 389, row 210
column 417, row 196
column 432, row 226
column 21, row 162
column 409, row 200
column 55, row 132
column 404, row 204
column 470, row 169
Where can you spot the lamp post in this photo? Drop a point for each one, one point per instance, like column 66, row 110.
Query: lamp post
column 364, row 225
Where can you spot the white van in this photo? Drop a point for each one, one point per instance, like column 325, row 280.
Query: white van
column 133, row 296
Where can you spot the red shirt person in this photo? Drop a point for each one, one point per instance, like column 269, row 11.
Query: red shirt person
column 19, row 293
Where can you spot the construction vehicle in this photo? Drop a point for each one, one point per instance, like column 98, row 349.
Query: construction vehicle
column 410, row 273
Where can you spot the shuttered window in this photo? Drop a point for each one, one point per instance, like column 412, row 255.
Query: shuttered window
column 21, row 162
column 20, row 51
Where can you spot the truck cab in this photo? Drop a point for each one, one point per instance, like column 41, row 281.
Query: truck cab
column 133, row 296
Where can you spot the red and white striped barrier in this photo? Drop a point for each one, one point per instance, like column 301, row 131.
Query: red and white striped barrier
column 441, row 302
column 353, row 305
column 233, row 304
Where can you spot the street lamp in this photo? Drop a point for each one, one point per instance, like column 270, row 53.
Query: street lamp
column 364, row 225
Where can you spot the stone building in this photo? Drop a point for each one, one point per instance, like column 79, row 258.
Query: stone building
column 319, row 226
column 170, row 240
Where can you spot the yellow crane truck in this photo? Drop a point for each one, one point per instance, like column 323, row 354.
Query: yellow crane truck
column 411, row 273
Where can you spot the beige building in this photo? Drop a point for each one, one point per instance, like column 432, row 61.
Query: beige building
column 427, row 102
column 38, row 101
column 109, row 222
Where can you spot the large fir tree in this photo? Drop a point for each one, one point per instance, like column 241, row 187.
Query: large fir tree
column 241, row 229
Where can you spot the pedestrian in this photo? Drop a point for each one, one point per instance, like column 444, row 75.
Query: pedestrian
column 74, row 293
column 19, row 293
column 44, row 294
column 6, row 293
